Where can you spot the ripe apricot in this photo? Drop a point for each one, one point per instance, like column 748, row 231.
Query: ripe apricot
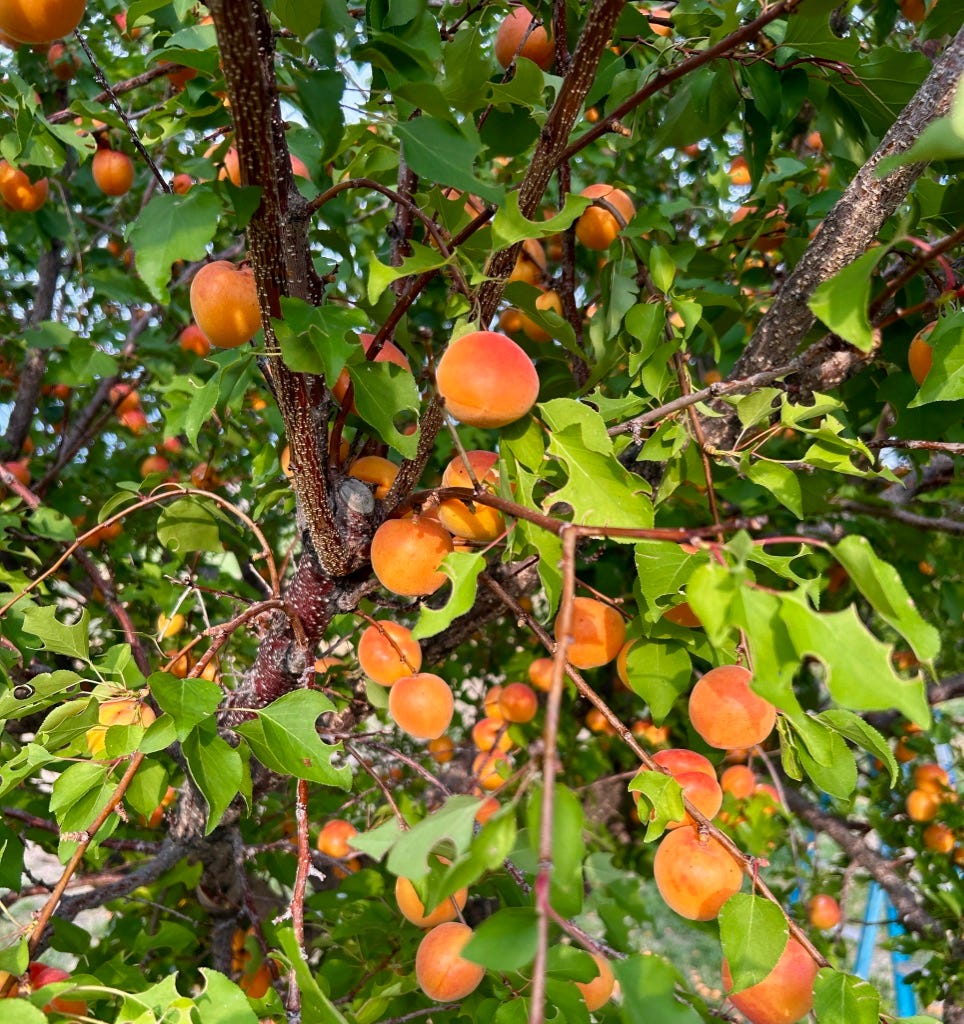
column 695, row 874
column 373, row 469
column 484, row 523
column 168, row 627
column 490, row 734
column 421, row 705
column 679, row 760
column 681, row 614
column 597, row 722
column 486, row 379
column 335, row 837
column 193, row 339
column 599, row 990
column 224, row 301
column 656, row 27
column 181, row 184
column 823, row 911
column 40, row 21
column 548, row 300
column 518, row 703
column 596, row 634
column 726, row 712
column 62, row 62
column 785, row 994
column 412, row 908
column 406, row 554
column 489, row 806
column 42, row 975
column 939, row 837
column 774, row 232
column 931, row 778
column 740, row 171
column 442, row 749
column 920, row 356
column 443, row 974
column 387, row 651
column 540, row 674
column 697, row 778
column 20, row 193
column 913, row 10
column 489, row 767
column 509, row 41
column 113, row 172
column 19, row 470
column 738, row 780
column 597, row 227
column 922, row 804
column 388, row 353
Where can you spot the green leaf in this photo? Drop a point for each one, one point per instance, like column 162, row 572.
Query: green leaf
column 839, row 777
column 215, row 767
column 665, row 798
column 945, row 381
column 600, row 491
column 664, row 568
column 188, row 701
column 55, row 635
column 754, row 933
column 568, row 847
column 440, row 152
column 188, row 525
column 840, row 303
column 658, row 672
column 881, row 585
column 649, row 986
column 840, row 998
column 19, row 1011
column 509, row 226
column 22, row 765
column 384, row 395
column 462, row 568
column 855, row 729
column 423, row 259
column 170, row 228
column 318, row 339
column 506, row 941
column 11, row 858
column 222, row 1002
column 781, row 481
column 284, row 738
column 42, row 691
column 317, row 1008
column 452, row 824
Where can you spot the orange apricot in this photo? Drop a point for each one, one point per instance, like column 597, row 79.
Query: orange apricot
column 920, row 356
column 726, row 712
column 540, row 674
column 170, row 626
column 20, row 193
column 42, row 975
column 939, row 837
column 655, row 26
column 599, row 990
column 412, row 908
column 695, row 874
column 406, row 554
column 443, row 974
column 678, row 760
column 738, row 780
column 154, row 464
column 823, row 911
column 597, row 227
column 40, row 21
column 421, row 705
column 181, row 184
column 224, row 301
column 490, row 734
column 489, row 767
column 193, row 339
column 486, row 379
column 373, row 469
column 484, row 523
column 785, row 995
column 922, row 804
column 491, row 702
column 113, row 172
column 596, row 634
column 697, row 779
column 548, row 300
column 597, row 722
column 913, row 10
column 387, row 651
column 509, row 44
column 681, row 614
column 442, row 749
column 62, row 62
column 335, row 837
column 740, row 171
column 931, row 778
column 489, row 806
column 518, row 702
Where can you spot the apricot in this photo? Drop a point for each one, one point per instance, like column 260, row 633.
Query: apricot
column 922, row 804
column 509, row 43
column 548, row 300
column 679, row 760
column 62, row 62
column 491, row 767
column 540, row 674
column 726, row 712
column 597, row 228
column 931, row 778
column 373, row 469
column 913, row 10
column 939, row 837
column 406, row 554
column 597, row 633
column 193, row 339
column 920, row 356
column 599, row 990
column 695, row 874
column 656, row 27
column 597, row 722
column 740, row 171
column 204, row 476
column 697, row 779
column 491, row 702
column 823, row 911
column 125, row 711
column 40, row 21
column 168, row 627
column 19, row 470
column 681, row 614
column 491, row 734
column 412, row 908
column 739, row 781
column 230, row 168
column 42, row 975
column 388, row 353
column 103, row 534
column 489, row 806
column 486, row 379
column 421, row 705
column 335, row 837
column 774, row 233
column 442, row 749
column 19, row 192
column 224, row 301
column 443, row 974
column 387, row 651
column 181, row 184
column 113, row 172
column 518, row 703
column 483, row 524
column 785, row 994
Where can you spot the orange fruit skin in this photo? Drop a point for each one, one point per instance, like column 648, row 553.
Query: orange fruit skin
column 373, row 469
column 697, row 778
column 597, row 228
column 939, row 837
column 113, row 172
column 224, row 301
column 738, row 780
column 660, row 30
column 678, row 760
column 335, row 836
column 598, row 633
column 548, row 300
column 695, row 875
column 380, row 661
column 823, row 911
column 442, row 973
column 42, row 975
column 682, row 614
column 40, row 21
column 537, row 47
column 913, row 10
column 920, row 356
column 406, row 554
column 518, row 703
column 484, row 524
column 922, row 805
column 442, row 749
column 599, row 990
column 540, row 674
column 192, row 339
column 931, row 778
column 486, row 765
column 421, row 705
column 19, row 192
column 489, row 733
column 486, row 379
column 726, row 712
column 785, row 995
column 412, row 908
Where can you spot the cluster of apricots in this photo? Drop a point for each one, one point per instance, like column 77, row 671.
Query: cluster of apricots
column 932, row 790
column 127, row 404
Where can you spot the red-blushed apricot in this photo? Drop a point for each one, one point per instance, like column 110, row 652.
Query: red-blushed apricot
column 491, row 768
column 484, row 523
column 299, row 168
column 421, row 705
column 181, row 184
column 489, row 806
column 739, row 171
column 823, row 911
column 62, row 62
column 388, row 353
column 922, row 804
column 785, row 995
column 335, row 837
column 697, row 779
column 373, row 469
column 490, row 734
column 19, row 470
column 726, row 712
column 442, row 749
column 20, row 193
column 230, row 168
column 387, row 651
column 193, row 339
column 920, row 356
column 154, row 464
column 548, row 300
column 739, row 781
column 597, row 227
column 412, row 908
column 540, row 674
column 180, row 76
column 655, row 735
column 113, row 172
column 443, row 974
column 518, row 703
column 486, row 380
column 40, row 21
column 124, row 398
column 938, row 837
column 406, row 554
column 103, row 534
column 597, row 632
column 42, row 975
column 681, row 614
column 931, row 778
column 509, row 41
column 913, row 10
column 598, row 991
column 695, row 874
column 224, row 301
